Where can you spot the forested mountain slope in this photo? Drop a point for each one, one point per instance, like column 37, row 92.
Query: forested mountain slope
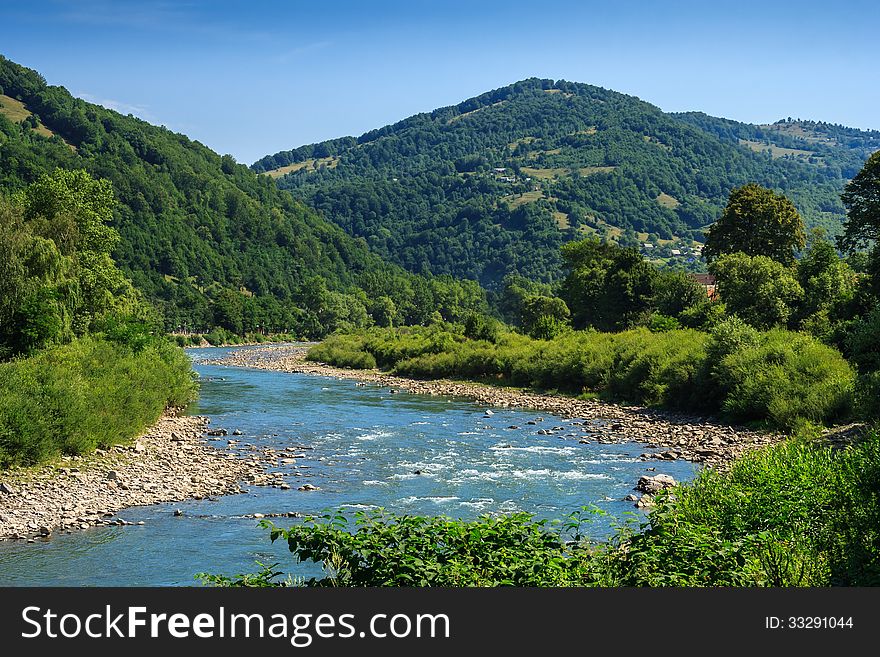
column 495, row 184
column 206, row 239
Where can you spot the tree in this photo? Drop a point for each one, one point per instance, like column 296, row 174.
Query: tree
column 608, row 287
column 74, row 211
column 757, row 222
column 676, row 292
column 229, row 310
column 862, row 200
column 829, row 283
column 383, row 311
column 757, row 289
column 543, row 315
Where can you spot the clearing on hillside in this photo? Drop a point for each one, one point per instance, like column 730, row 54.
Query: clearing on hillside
column 667, row 201
column 775, row 151
column 516, row 200
column 15, row 111
column 309, row 166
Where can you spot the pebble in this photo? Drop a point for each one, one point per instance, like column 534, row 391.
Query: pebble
column 171, row 462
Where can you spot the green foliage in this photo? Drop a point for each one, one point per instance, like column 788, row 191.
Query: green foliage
column 662, row 323
column 795, row 514
column 481, row 327
column 544, row 317
column 677, row 292
column 423, row 192
column 59, row 280
column 829, row 286
column 608, row 287
column 757, row 222
column 758, row 289
column 508, row 550
column 267, row 576
column 862, row 228
column 704, row 316
column 863, row 207
column 204, row 239
column 90, row 393
column 548, row 327
column 780, row 377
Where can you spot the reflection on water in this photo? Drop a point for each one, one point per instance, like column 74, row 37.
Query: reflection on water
column 369, row 449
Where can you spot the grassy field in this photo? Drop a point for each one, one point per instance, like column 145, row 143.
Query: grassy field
column 561, row 172
column 15, row 111
column 479, row 109
column 514, row 201
column 667, row 201
column 775, row 151
column 525, row 140
column 309, row 165
column 561, row 220
column 589, row 171
column 559, row 91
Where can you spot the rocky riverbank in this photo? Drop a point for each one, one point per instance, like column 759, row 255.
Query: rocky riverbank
column 170, row 462
column 666, row 435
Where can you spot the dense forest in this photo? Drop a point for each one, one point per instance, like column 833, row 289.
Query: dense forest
column 495, row 185
column 205, row 239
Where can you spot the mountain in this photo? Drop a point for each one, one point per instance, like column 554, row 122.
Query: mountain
column 206, row 239
column 496, row 184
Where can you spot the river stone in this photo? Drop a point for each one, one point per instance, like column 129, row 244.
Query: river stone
column 6, row 489
column 652, row 485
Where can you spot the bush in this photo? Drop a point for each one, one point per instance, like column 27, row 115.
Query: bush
column 779, row 376
column 89, row 393
column 387, row 550
column 795, row 514
column 784, row 377
column 340, row 354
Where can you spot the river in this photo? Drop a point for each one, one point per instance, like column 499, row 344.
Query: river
column 367, row 448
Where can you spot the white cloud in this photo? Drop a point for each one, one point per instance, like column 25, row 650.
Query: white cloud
column 140, row 111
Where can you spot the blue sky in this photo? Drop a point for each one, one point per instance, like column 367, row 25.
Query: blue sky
column 252, row 78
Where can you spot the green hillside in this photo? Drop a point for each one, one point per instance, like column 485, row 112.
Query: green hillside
column 204, row 238
column 495, row 184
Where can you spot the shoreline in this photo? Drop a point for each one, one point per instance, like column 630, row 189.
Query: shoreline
column 170, row 462
column 698, row 439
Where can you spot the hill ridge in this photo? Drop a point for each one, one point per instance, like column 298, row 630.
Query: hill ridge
column 516, row 171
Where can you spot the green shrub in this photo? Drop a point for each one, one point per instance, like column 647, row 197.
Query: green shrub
column 778, row 376
column 86, row 394
column 785, row 377
column 340, row 353
column 379, row 549
column 662, row 323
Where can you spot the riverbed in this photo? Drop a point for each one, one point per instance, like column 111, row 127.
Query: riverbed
column 361, row 447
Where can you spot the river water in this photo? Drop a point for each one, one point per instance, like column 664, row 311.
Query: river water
column 366, row 447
